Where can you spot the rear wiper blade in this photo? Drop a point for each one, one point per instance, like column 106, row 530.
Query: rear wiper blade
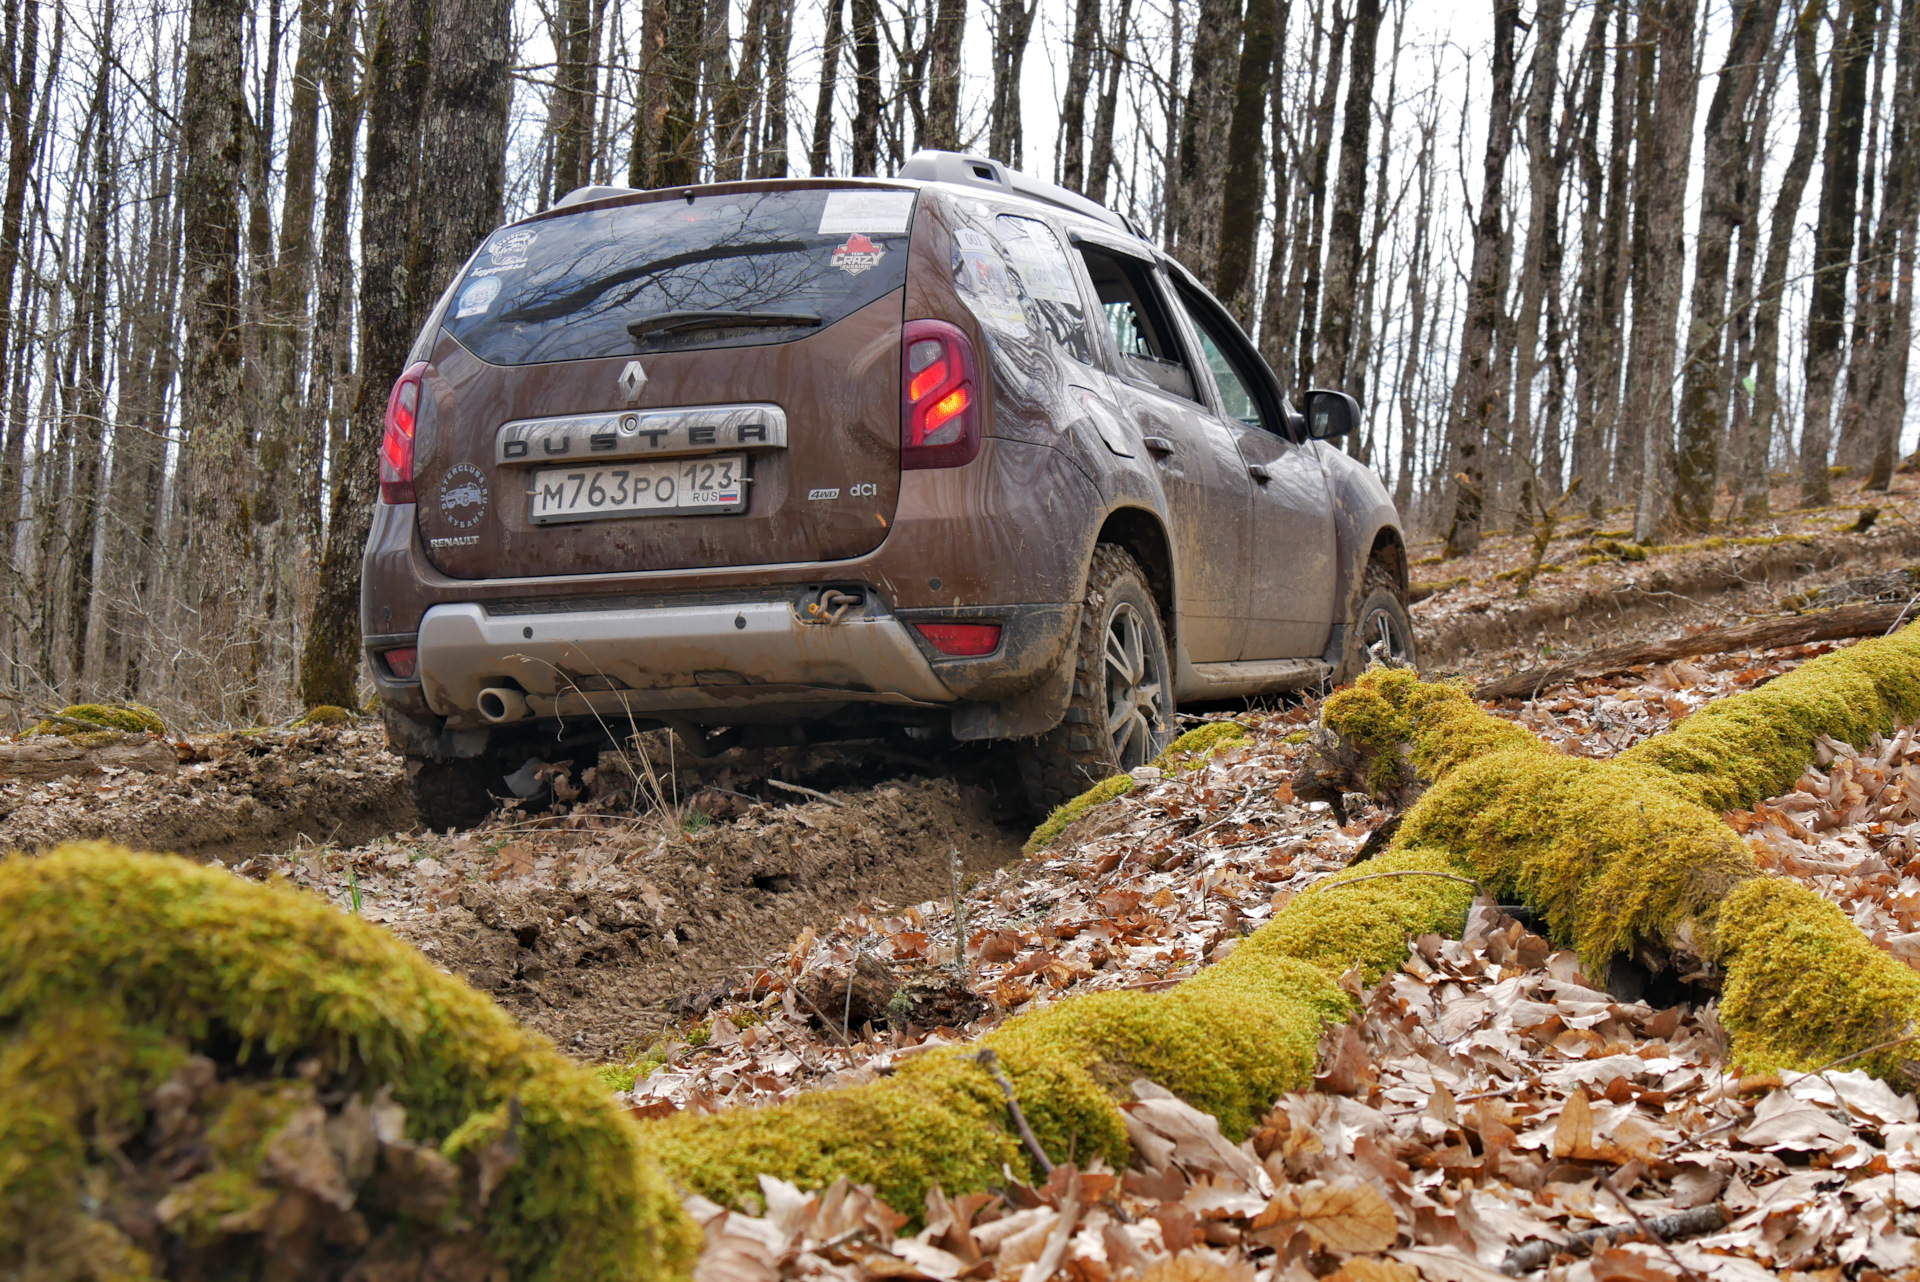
column 671, row 322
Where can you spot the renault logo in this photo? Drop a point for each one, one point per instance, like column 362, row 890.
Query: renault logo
column 631, row 380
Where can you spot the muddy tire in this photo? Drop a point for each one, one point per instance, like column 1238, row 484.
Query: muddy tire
column 454, row 794
column 1121, row 713
column 1381, row 631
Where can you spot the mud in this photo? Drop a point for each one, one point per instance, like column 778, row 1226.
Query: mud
column 232, row 795
column 599, row 933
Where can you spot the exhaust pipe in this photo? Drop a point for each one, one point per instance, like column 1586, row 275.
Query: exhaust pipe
column 500, row 704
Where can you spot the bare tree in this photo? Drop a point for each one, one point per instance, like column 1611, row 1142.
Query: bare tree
column 1331, row 366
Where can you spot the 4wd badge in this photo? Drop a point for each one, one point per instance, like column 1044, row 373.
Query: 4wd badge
column 857, row 255
column 631, row 380
column 463, row 496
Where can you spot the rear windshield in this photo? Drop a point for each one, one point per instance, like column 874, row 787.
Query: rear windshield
column 721, row 270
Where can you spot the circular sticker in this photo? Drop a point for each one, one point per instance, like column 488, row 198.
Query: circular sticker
column 463, row 496
column 479, row 296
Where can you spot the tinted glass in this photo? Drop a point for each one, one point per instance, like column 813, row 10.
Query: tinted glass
column 1226, row 356
column 570, row 287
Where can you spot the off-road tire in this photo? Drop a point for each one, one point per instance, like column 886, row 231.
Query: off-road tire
column 1380, row 630
column 1078, row 753
column 454, row 794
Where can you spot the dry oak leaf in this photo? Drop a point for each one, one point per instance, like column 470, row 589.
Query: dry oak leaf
column 1198, row 1266
column 1346, row 1215
column 1372, row 1269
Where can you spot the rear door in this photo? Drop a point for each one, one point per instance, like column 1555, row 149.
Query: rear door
column 1290, row 579
column 671, row 381
column 1200, row 471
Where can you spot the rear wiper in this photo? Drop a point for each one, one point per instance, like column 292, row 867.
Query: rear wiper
column 672, row 322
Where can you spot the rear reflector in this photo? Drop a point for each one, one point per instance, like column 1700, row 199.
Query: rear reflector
column 939, row 424
column 401, row 662
column 964, row 639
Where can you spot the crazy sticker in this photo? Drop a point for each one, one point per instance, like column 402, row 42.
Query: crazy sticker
column 463, row 496
column 857, row 255
column 478, row 296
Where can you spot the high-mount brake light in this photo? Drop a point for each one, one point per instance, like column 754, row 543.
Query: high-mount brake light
column 396, row 446
column 939, row 424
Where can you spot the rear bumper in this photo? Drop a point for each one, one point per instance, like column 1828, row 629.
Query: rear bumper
column 687, row 658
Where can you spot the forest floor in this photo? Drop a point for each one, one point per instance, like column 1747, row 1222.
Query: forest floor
column 789, row 924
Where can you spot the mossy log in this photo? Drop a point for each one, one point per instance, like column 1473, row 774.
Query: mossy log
column 129, row 983
column 1630, row 857
column 1229, row 1041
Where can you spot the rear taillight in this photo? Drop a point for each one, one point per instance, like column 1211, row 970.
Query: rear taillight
column 396, row 447
column 966, row 640
column 401, row 663
column 939, row 416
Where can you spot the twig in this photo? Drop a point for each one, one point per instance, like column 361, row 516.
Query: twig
column 960, row 964
column 1640, row 1222
column 828, row 1023
column 806, row 792
column 1701, row 1219
column 1405, row 872
column 991, row 1062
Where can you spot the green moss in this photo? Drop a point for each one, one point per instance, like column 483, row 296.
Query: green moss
column 327, row 714
column 615, row 1077
column 1527, row 571
column 1178, row 755
column 1228, row 1041
column 129, row 718
column 1615, row 550
column 114, row 967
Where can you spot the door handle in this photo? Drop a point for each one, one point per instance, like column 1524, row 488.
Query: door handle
column 1259, row 472
column 1157, row 444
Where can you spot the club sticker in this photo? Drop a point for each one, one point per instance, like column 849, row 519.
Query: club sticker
column 857, row 255
column 463, row 496
column 478, row 296
column 509, row 249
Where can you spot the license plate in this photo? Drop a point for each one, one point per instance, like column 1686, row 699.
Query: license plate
column 711, row 483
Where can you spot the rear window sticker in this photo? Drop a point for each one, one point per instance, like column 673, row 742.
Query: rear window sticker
column 857, row 255
column 478, row 296
column 983, row 278
column 971, row 241
column 876, row 213
column 1037, row 257
column 509, row 249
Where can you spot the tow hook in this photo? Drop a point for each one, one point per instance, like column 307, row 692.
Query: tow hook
column 832, row 605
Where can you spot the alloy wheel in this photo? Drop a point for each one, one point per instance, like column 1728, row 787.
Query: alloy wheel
column 1136, row 689
column 1385, row 640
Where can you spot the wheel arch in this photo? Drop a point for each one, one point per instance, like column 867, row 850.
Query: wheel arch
column 1143, row 536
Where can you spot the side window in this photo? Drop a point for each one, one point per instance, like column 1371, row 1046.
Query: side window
column 1045, row 276
column 1140, row 326
column 1227, row 358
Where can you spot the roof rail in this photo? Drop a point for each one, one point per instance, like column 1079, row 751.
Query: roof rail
column 977, row 171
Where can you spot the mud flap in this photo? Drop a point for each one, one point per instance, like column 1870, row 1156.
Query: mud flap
column 1023, row 716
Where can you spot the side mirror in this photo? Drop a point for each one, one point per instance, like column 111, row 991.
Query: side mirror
column 1331, row 415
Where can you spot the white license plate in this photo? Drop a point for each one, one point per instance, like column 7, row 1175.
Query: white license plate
column 711, row 483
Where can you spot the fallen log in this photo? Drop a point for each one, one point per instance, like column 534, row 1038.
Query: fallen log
column 1848, row 621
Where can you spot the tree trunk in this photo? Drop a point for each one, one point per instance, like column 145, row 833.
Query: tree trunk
column 772, row 162
column 677, row 157
column 1331, row 366
column 1650, row 393
column 866, row 87
column 395, row 104
column 1854, row 449
column 1590, row 340
column 1739, row 434
column 1476, row 395
column 24, row 135
column 1194, row 190
column 1100, row 164
column 1418, row 264
column 819, row 155
column 1885, row 409
column 1308, row 254
column 1705, row 386
column 293, row 278
column 1543, row 216
column 1013, row 23
column 943, row 77
column 217, row 455
column 330, row 376
column 1833, row 244
column 1244, row 191
column 1071, row 169
column 1754, row 497
column 570, row 113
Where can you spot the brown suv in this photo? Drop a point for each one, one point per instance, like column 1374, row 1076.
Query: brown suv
column 783, row 461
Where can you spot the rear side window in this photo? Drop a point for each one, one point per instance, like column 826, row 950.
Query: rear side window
column 723, row 270
column 1013, row 274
